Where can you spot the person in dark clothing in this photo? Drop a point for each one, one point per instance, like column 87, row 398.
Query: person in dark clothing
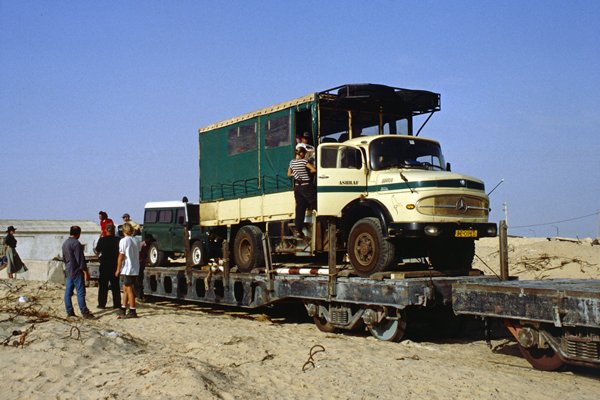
column 139, row 283
column 15, row 264
column 108, row 249
column 75, row 273
column 305, row 192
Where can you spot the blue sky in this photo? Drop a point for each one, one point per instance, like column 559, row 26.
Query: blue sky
column 100, row 102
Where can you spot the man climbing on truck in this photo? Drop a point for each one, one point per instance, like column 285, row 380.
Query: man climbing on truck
column 305, row 192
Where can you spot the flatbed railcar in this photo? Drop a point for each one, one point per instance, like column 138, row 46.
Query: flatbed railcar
column 555, row 322
column 343, row 303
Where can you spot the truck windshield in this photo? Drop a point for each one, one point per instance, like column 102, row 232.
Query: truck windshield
column 401, row 152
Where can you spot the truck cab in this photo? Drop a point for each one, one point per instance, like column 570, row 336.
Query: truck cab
column 397, row 189
column 171, row 231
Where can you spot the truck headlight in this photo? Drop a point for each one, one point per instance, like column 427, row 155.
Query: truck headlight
column 432, row 230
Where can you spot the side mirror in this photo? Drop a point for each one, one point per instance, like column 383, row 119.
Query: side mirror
column 448, row 167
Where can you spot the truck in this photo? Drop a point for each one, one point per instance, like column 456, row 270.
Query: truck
column 388, row 193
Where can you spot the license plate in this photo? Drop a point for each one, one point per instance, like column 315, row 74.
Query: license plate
column 465, row 233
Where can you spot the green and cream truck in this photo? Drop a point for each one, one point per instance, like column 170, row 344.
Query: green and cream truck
column 388, row 193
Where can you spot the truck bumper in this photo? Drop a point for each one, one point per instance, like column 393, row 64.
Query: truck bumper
column 446, row 230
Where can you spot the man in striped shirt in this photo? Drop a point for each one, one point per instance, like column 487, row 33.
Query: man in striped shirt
column 305, row 192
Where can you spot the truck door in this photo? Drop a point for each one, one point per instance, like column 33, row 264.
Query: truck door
column 341, row 177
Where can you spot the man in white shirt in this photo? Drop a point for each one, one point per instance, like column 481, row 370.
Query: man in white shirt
column 128, row 265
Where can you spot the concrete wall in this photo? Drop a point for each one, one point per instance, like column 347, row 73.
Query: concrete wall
column 45, row 271
column 46, row 246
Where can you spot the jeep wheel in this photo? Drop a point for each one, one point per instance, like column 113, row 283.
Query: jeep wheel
column 156, row 257
column 196, row 253
column 368, row 250
column 248, row 248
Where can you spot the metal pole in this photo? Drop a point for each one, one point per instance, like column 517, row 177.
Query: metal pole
column 268, row 261
column 331, row 230
column 226, row 264
column 503, row 250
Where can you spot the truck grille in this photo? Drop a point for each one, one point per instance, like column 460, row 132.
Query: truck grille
column 454, row 205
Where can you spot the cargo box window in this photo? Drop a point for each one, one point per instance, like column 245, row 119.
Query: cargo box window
column 277, row 132
column 242, row 139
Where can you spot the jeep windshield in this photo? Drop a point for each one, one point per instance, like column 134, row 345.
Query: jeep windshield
column 401, row 152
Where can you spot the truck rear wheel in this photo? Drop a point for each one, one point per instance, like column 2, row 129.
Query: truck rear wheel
column 368, row 250
column 248, row 249
column 156, row 257
column 453, row 254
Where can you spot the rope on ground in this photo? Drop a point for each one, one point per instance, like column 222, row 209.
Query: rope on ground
column 317, row 348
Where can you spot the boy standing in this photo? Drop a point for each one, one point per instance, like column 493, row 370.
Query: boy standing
column 128, row 265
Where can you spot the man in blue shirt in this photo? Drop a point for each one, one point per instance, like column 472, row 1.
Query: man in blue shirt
column 75, row 272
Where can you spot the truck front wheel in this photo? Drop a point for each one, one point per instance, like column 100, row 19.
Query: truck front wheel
column 368, row 250
column 248, row 249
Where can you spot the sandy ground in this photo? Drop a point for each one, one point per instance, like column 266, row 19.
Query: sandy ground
column 177, row 350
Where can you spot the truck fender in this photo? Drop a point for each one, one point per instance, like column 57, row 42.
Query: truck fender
column 362, row 208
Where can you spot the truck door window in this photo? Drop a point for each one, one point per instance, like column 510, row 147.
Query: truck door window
column 340, row 157
column 328, row 157
column 350, row 158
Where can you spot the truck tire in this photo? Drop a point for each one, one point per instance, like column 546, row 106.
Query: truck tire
column 453, row 254
column 156, row 257
column 368, row 250
column 197, row 254
column 248, row 248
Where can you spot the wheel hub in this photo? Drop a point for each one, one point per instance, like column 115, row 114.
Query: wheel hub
column 364, row 250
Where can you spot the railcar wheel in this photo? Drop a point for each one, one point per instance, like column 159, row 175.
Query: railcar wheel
column 324, row 326
column 248, row 249
column 389, row 330
column 542, row 359
column 156, row 257
column 368, row 250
